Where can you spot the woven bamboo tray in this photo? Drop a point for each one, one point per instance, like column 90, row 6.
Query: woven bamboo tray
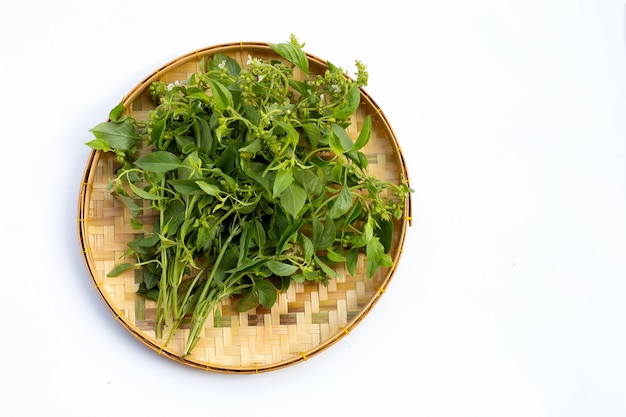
column 306, row 319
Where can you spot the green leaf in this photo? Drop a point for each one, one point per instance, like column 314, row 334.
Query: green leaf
column 135, row 223
column 341, row 204
column 248, row 266
column 158, row 162
column 352, row 257
column 292, row 134
column 351, row 103
column 363, row 161
column 266, row 292
column 335, row 144
column 129, row 203
column 99, row 145
column 227, row 159
column 292, row 200
column 146, row 195
column 259, row 236
column 254, row 170
column 144, row 245
column 184, row 187
column 253, row 147
column 384, row 231
column 116, row 113
column 335, row 256
column 300, row 86
column 158, row 129
column 313, row 133
column 283, row 180
column 205, row 139
column 119, row 135
column 281, row 269
column 342, row 135
column 353, row 214
column 364, row 135
column 209, row 189
column 324, row 234
column 293, row 54
column 231, row 66
column 376, row 257
column 307, row 246
column 150, row 279
column 289, row 234
column 367, row 232
column 310, row 181
column 248, row 302
column 221, row 95
column 119, row 269
column 327, row 269
column 298, row 278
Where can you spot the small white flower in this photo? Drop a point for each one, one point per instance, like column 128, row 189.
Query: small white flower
column 222, row 64
column 335, row 88
column 249, row 59
column 170, row 86
column 322, row 97
column 260, row 78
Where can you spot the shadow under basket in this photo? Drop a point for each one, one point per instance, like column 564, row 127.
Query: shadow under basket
column 306, row 319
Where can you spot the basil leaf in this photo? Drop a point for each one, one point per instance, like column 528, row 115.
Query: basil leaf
column 283, row 180
column 307, row 246
column 324, row 234
column 327, row 269
column 119, row 269
column 222, row 97
column 342, row 135
column 353, row 99
column 313, row 133
column 292, row 200
column 376, row 257
column 310, row 181
column 335, row 256
column 116, row 112
column 292, row 134
column 209, row 189
column 293, row 54
column 290, row 233
column 99, row 145
column 281, row 269
column 119, row 135
column 205, row 139
column 384, row 231
column 352, row 257
column 266, row 293
column 184, row 187
column 139, row 192
column 158, row 162
column 364, row 135
column 341, row 204
column 248, row 302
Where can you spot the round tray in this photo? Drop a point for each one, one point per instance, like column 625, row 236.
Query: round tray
column 305, row 320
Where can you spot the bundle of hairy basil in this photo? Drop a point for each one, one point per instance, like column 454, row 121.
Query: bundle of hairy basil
column 255, row 181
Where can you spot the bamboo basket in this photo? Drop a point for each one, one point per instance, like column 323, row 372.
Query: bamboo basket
column 306, row 319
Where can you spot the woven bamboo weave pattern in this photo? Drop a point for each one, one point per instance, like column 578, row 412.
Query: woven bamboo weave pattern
column 305, row 320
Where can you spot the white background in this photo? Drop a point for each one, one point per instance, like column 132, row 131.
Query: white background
column 510, row 299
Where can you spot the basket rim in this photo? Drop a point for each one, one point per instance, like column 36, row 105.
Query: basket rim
column 85, row 194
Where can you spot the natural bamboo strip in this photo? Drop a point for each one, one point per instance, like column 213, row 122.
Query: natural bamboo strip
column 246, row 344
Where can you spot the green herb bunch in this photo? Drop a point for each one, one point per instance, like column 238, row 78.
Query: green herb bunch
column 256, row 184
